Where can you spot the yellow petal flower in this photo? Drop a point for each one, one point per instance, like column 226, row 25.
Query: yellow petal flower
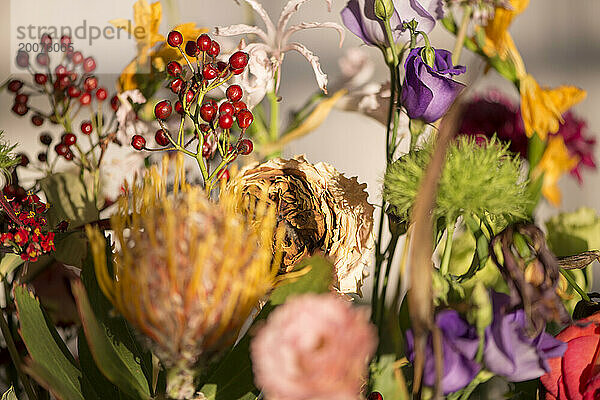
column 542, row 108
column 166, row 53
column 187, row 271
column 554, row 163
column 497, row 27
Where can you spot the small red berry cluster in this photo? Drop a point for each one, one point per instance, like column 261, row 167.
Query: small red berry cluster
column 213, row 120
column 27, row 232
column 70, row 88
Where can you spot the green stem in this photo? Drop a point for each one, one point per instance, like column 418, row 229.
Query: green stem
column 462, row 33
column 14, row 355
column 447, row 248
column 390, row 251
column 574, row 284
column 274, row 110
column 391, row 43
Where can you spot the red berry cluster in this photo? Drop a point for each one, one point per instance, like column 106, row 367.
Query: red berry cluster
column 70, row 88
column 213, row 120
column 28, row 234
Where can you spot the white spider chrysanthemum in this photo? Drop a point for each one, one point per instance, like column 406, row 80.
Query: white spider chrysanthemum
column 266, row 56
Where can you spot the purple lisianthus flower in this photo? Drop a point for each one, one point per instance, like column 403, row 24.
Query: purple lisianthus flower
column 428, row 91
column 359, row 17
column 510, row 352
column 460, row 343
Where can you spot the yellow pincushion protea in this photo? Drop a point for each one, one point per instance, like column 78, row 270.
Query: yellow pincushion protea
column 188, row 270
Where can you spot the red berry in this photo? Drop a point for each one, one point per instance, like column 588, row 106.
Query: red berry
column 175, row 39
column 176, row 85
column 65, row 40
column 244, row 119
column 245, row 147
column 101, row 94
column 23, row 159
column 222, row 66
column 20, row 109
column 89, row 64
column 15, row 85
column 86, row 128
column 238, row 60
column 46, row 41
column 174, row 68
column 61, row 149
column 73, row 92
column 42, row 157
column 90, row 83
column 203, row 42
column 85, row 99
column 179, row 108
column 45, row 139
column 375, row 396
column 22, row 59
column 69, row 139
column 234, row 92
column 42, row 59
column 115, row 103
column 138, row 142
column 9, row 191
column 161, row 137
column 37, row 120
column 68, row 155
column 206, row 150
column 209, row 72
column 239, row 106
column 163, row 109
column 226, row 108
column 60, row 70
column 21, row 98
column 225, row 121
column 214, row 49
column 189, row 96
column 63, row 82
column 191, row 49
column 224, row 174
column 204, row 128
column 77, row 58
column 208, row 111
column 237, row 71
column 40, row 79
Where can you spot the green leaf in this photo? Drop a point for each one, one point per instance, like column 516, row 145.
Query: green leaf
column 71, row 248
column 118, row 330
column 9, row 263
column 9, row 394
column 69, row 198
column 107, row 353
column 51, row 362
column 99, row 387
column 315, row 275
column 232, row 378
column 388, row 379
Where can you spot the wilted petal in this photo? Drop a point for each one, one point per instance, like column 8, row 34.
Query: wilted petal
column 240, row 29
column 290, row 8
column 314, row 25
column 313, row 60
column 258, row 8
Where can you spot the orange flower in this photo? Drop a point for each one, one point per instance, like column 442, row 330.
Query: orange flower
column 542, row 108
column 555, row 162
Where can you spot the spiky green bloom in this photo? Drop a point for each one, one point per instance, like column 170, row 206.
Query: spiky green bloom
column 484, row 181
column 7, row 159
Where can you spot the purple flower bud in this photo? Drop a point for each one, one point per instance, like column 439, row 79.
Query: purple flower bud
column 428, row 91
column 460, row 343
column 359, row 17
column 510, row 352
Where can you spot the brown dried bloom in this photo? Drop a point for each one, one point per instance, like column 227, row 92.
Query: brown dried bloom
column 319, row 209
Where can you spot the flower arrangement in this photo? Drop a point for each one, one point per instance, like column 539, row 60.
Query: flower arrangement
column 137, row 277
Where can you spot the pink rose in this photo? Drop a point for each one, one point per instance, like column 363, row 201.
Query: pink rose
column 313, row 347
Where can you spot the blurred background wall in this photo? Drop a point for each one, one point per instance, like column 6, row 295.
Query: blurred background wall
column 559, row 41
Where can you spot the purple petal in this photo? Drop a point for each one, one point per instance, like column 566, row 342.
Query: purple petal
column 352, row 19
